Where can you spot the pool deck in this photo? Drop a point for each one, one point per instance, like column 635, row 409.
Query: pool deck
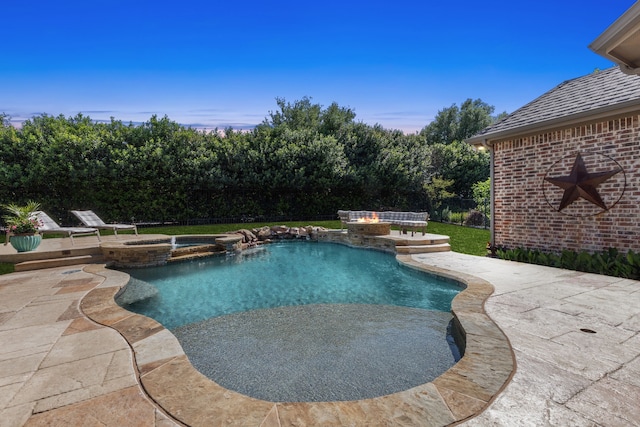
column 60, row 367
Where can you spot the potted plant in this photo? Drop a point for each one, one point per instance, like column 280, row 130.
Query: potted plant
column 22, row 226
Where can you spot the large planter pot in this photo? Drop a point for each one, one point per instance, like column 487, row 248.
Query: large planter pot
column 25, row 242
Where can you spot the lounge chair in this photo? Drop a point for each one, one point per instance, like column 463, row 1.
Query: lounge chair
column 49, row 226
column 90, row 219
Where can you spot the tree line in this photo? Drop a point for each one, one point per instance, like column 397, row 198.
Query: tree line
column 303, row 161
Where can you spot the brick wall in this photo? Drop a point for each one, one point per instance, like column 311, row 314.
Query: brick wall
column 526, row 206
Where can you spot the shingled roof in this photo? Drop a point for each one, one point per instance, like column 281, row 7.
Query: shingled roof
column 592, row 95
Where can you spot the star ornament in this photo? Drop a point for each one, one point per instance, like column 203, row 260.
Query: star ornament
column 581, row 184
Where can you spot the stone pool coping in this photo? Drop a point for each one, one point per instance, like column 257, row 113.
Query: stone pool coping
column 170, row 380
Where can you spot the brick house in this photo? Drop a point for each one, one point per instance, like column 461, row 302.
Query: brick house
column 565, row 168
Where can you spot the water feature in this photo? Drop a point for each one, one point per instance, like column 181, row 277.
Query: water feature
column 304, row 321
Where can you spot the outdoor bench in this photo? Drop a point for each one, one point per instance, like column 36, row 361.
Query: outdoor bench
column 405, row 220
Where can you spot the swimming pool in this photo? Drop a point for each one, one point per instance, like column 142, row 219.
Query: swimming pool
column 304, row 321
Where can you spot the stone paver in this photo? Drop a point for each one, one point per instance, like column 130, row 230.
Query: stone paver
column 564, row 376
column 58, row 367
column 126, row 407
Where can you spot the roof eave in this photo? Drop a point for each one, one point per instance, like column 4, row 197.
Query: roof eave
column 607, row 43
column 601, row 113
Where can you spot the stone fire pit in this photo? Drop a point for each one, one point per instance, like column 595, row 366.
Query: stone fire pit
column 369, row 228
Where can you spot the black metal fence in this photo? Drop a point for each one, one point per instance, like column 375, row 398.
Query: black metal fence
column 457, row 210
column 201, row 208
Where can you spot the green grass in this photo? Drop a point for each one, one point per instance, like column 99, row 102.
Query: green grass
column 6, row 268
column 466, row 240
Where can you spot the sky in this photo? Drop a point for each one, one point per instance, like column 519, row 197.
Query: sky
column 211, row 63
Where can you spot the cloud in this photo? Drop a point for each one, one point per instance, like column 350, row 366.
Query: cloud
column 408, row 121
column 208, row 110
column 88, row 112
column 395, row 114
column 221, row 125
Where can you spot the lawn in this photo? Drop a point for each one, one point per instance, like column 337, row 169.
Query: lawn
column 466, row 240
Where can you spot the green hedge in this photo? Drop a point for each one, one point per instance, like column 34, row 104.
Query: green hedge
column 301, row 162
column 610, row 262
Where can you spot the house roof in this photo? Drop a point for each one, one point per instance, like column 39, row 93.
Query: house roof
column 593, row 95
column 621, row 41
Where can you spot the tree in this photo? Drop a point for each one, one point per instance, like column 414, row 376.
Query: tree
column 302, row 160
column 482, row 195
column 303, row 114
column 442, row 130
column 14, row 160
column 438, row 190
column 387, row 168
column 457, row 124
column 474, row 116
column 335, row 118
column 461, row 163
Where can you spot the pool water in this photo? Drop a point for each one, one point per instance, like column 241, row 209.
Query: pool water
column 303, row 321
column 284, row 274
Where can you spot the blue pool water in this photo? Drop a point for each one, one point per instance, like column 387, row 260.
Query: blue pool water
column 303, row 321
column 284, row 274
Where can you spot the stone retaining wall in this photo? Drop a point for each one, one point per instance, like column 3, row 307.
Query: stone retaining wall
column 144, row 255
column 382, row 243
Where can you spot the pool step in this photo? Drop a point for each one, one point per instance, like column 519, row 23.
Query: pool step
column 420, row 244
column 423, row 249
column 38, row 264
column 192, row 252
column 422, row 241
column 193, row 255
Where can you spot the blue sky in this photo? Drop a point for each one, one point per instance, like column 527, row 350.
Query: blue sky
column 216, row 64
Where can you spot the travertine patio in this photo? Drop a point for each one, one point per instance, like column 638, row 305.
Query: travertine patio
column 59, row 367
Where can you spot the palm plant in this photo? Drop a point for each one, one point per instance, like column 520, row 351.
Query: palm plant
column 20, row 219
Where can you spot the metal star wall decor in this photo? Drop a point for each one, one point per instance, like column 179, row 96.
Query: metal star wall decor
column 581, row 184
